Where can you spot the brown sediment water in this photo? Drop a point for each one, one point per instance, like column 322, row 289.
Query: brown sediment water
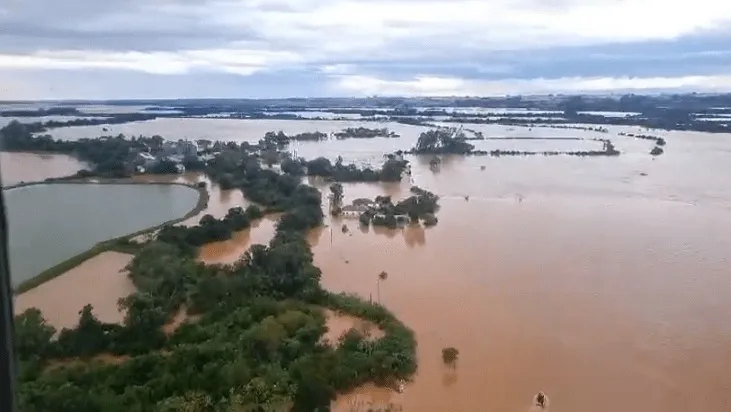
column 34, row 167
column 231, row 250
column 339, row 323
column 582, row 307
column 601, row 281
column 579, row 277
column 100, row 281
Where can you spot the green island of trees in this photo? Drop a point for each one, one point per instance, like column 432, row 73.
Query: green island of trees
column 422, row 205
column 253, row 340
column 391, row 171
column 364, row 133
column 444, row 141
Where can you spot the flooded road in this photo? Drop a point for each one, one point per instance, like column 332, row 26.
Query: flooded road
column 601, row 281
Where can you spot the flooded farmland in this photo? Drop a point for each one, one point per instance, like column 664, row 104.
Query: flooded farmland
column 588, row 278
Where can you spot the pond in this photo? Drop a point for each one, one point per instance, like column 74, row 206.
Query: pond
column 50, row 223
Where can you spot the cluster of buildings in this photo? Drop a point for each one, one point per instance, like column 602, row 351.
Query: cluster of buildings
column 176, row 152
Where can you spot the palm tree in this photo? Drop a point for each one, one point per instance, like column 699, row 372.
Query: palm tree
column 381, row 277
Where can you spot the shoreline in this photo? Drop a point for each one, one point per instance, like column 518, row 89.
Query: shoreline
column 114, row 244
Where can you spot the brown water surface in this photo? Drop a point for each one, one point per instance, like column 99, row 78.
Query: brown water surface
column 99, row 281
column 338, row 324
column 578, row 277
column 602, row 281
column 32, row 167
column 229, row 251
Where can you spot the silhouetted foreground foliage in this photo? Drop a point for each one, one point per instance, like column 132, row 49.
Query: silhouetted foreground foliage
column 255, row 343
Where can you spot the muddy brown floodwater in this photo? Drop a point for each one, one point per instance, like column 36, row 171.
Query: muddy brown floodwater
column 583, row 278
column 579, row 277
column 31, row 167
column 601, row 281
column 99, row 281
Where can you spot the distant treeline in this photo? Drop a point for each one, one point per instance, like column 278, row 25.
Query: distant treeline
column 669, row 112
column 445, row 140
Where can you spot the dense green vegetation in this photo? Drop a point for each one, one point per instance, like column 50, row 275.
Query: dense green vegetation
column 234, row 164
column 108, row 154
column 210, row 229
column 391, row 170
column 442, row 140
column 253, row 344
column 364, row 133
column 422, row 205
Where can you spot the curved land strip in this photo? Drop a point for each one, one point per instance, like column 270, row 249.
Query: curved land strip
column 119, row 244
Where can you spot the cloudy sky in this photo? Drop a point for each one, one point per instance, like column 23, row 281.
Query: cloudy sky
column 106, row 49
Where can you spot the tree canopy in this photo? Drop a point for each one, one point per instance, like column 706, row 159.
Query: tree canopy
column 254, row 338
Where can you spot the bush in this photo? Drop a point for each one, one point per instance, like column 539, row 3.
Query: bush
column 449, row 355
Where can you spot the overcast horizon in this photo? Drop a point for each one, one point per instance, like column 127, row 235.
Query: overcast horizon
column 166, row 49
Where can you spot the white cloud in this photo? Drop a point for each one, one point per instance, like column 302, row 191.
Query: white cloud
column 337, row 68
column 342, row 30
column 448, row 86
column 347, row 40
column 225, row 60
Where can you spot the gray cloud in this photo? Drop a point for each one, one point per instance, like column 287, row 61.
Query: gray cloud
column 294, row 46
column 114, row 25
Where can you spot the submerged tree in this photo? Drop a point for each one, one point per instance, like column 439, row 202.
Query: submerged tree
column 336, row 190
column 449, row 355
column 381, row 277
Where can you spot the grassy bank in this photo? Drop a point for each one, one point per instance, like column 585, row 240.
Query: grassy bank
column 120, row 244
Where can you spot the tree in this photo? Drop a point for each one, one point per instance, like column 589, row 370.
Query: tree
column 449, row 355
column 381, row 277
column 336, row 190
column 32, row 334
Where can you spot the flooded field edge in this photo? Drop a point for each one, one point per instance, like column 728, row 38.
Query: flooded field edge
column 104, row 281
column 113, row 244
